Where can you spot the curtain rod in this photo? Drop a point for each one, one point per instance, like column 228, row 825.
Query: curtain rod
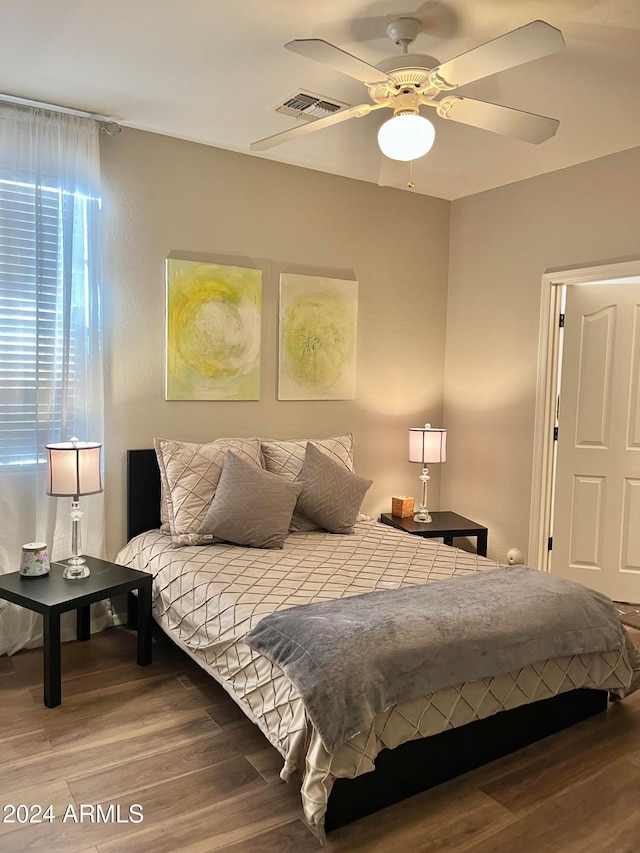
column 107, row 123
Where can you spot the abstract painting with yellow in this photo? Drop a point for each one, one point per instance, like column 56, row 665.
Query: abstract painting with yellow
column 214, row 316
column 318, row 325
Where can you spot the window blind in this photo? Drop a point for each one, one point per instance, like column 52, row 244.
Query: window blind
column 32, row 362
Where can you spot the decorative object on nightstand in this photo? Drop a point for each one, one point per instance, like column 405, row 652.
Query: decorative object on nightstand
column 427, row 445
column 74, row 471
column 34, row 562
column 402, row 507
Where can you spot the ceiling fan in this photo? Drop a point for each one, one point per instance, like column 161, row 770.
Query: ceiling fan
column 409, row 81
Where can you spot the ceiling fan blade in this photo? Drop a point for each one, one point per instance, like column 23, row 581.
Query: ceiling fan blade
column 530, row 42
column 329, row 54
column 312, row 126
column 528, row 127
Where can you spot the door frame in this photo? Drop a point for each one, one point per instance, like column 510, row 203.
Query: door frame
column 543, row 474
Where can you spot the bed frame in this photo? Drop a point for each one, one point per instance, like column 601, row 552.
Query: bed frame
column 418, row 764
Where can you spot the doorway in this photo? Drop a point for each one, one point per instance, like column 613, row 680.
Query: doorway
column 586, row 475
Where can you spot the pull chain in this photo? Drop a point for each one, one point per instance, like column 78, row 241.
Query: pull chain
column 410, row 184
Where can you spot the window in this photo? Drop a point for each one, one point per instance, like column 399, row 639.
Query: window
column 51, row 377
column 37, row 346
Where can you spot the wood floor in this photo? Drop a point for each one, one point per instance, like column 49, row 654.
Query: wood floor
column 168, row 738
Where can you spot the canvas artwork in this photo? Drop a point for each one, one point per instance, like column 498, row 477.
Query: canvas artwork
column 214, row 316
column 318, row 325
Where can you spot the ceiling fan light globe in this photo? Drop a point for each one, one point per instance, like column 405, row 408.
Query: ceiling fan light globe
column 406, row 137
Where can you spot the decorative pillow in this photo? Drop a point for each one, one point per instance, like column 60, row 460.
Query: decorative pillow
column 190, row 474
column 251, row 506
column 331, row 495
column 165, row 511
column 286, row 458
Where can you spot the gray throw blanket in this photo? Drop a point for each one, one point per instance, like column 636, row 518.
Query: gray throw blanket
column 355, row 657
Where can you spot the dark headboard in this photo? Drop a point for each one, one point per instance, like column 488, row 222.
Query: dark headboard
column 143, row 492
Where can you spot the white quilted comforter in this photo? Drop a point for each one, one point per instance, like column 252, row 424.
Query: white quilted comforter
column 208, row 597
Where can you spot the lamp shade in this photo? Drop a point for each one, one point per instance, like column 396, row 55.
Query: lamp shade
column 406, row 137
column 74, row 468
column 427, row 445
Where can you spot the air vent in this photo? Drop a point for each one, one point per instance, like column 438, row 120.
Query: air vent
column 310, row 107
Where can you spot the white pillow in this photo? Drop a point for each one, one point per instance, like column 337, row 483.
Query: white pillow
column 190, row 474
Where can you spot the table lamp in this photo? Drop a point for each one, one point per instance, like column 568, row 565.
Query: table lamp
column 73, row 471
column 427, row 445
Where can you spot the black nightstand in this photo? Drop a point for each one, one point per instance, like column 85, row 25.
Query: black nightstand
column 52, row 595
column 445, row 525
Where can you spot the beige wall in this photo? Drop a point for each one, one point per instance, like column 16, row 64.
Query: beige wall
column 165, row 195
column 502, row 241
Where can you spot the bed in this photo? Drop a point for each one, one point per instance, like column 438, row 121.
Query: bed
column 208, row 597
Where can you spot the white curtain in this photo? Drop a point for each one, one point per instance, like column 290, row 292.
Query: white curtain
column 51, row 379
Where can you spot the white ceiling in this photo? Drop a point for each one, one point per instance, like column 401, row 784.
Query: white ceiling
column 212, row 71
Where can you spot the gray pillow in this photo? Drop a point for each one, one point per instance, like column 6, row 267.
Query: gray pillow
column 251, row 506
column 331, row 495
column 287, row 458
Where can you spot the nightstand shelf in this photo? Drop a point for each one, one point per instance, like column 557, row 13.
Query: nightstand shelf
column 445, row 526
column 52, row 595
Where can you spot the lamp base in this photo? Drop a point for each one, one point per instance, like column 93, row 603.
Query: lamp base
column 422, row 516
column 75, row 568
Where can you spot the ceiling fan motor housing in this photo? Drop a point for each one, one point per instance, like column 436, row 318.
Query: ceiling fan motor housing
column 408, row 67
column 408, row 70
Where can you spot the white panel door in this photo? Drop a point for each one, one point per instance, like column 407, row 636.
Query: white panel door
column 596, row 523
